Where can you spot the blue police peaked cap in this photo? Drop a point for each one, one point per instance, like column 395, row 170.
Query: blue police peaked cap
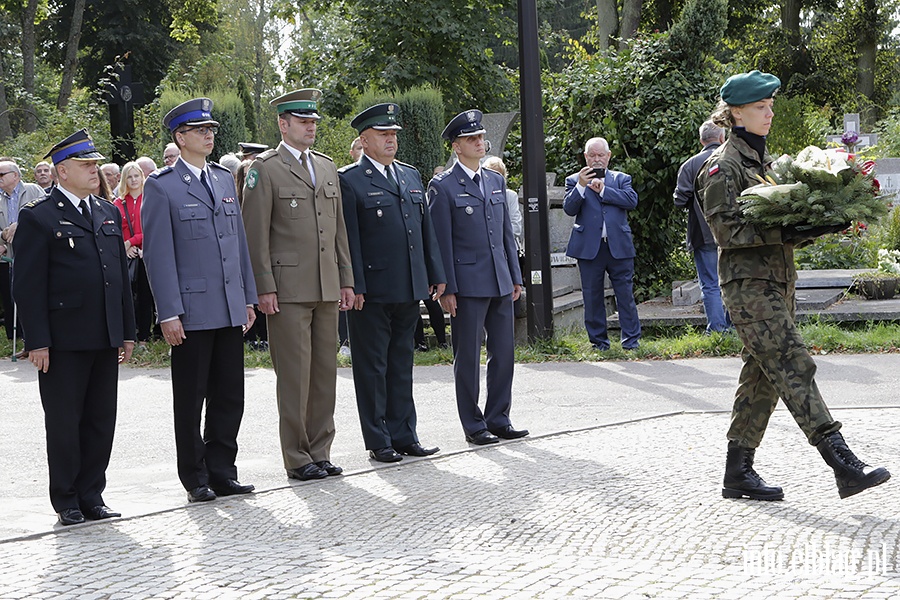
column 463, row 125
column 194, row 112
column 78, row 146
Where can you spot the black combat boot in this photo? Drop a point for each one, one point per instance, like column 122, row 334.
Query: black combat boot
column 741, row 480
column 851, row 474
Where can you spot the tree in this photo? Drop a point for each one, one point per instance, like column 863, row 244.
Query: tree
column 70, row 63
column 611, row 25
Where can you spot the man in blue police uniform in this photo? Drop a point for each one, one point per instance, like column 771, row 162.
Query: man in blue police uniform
column 601, row 240
column 197, row 261
column 72, row 287
column 471, row 220
column 396, row 263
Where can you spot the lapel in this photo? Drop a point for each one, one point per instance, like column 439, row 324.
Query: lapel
column 467, row 182
column 378, row 180
column 97, row 216
column 194, row 185
column 294, row 164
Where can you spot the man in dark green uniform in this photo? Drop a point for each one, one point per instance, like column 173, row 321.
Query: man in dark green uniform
column 396, row 263
column 757, row 275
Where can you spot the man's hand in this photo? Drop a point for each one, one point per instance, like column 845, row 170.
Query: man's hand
column 358, row 301
column 584, row 175
column 40, row 358
column 596, row 185
column 517, row 291
column 448, row 303
column 251, row 319
column 268, row 303
column 173, row 332
column 10, row 232
column 437, row 290
column 125, row 352
column 347, row 299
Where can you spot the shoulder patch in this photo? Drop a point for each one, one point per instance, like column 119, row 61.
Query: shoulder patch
column 713, row 169
column 252, row 178
column 160, row 172
column 325, row 156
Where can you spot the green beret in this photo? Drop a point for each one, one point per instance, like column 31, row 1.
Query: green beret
column 749, row 87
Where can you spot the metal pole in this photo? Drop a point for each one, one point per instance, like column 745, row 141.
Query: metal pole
column 534, row 166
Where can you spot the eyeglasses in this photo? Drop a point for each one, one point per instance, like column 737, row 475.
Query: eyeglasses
column 204, row 130
column 4, row 174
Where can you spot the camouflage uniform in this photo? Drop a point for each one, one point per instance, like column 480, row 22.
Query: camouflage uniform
column 757, row 275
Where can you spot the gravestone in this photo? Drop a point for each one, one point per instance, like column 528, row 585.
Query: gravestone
column 887, row 171
column 122, row 96
column 851, row 123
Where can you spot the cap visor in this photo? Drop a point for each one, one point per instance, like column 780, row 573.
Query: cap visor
column 88, row 156
column 302, row 115
column 200, row 123
column 471, row 133
column 387, row 127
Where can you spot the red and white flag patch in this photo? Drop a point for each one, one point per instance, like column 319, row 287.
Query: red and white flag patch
column 713, row 170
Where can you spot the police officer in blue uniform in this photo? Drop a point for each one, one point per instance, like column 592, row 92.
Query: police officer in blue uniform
column 199, row 268
column 396, row 263
column 74, row 298
column 471, row 220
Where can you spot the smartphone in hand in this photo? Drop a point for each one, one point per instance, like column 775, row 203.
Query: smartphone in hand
column 597, row 173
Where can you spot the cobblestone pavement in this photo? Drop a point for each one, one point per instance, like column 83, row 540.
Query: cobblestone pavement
column 621, row 511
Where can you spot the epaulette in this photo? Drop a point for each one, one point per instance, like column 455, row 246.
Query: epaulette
column 162, row 171
column 35, row 202
column 399, row 162
column 322, row 155
column 267, row 154
column 492, row 170
column 443, row 174
column 215, row 164
column 349, row 167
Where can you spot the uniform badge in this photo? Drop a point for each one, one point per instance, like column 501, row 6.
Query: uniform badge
column 293, row 203
column 228, row 200
column 71, row 243
column 379, row 213
column 469, row 210
column 186, row 177
column 713, row 170
column 252, row 178
column 368, row 171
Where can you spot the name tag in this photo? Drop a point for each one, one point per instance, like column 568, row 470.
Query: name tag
column 374, row 193
column 190, row 205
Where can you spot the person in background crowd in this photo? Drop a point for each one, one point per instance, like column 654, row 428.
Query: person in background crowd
column 396, row 263
column 199, row 268
column 230, row 162
column 249, row 151
column 43, row 175
column 71, row 284
column 700, row 241
column 147, row 165
column 301, row 261
column 601, row 241
column 130, row 196
column 471, row 221
column 170, row 154
column 758, row 278
column 112, row 174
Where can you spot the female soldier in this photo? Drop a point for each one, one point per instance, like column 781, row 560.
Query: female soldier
column 757, row 275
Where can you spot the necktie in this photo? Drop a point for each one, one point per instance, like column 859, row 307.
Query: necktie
column 477, row 180
column 85, row 211
column 390, row 177
column 306, row 161
column 205, row 181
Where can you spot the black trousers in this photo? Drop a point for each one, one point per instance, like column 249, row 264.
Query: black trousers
column 6, row 298
column 143, row 303
column 208, row 368
column 78, row 393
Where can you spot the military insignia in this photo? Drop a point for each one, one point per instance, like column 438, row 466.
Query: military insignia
column 390, row 109
column 315, row 95
column 368, row 171
column 469, row 210
column 379, row 213
column 294, row 203
column 71, row 243
column 61, row 222
column 206, row 105
column 252, row 178
column 215, row 177
column 186, row 177
column 471, row 116
column 713, row 169
column 228, row 200
column 60, row 205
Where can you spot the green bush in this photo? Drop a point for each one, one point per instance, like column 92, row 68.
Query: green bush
column 838, row 252
column 797, row 124
column 891, row 230
column 333, row 137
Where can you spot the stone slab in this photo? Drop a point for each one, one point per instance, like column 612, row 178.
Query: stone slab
column 686, row 294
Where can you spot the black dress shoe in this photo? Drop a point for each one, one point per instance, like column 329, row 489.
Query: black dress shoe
column 230, row 487
column 307, row 472
column 329, row 468
column 386, row 455
column 508, row 433
column 201, row 493
column 70, row 516
column 416, row 449
column 96, row 513
column 482, row 438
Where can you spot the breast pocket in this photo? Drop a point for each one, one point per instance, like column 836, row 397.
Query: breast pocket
column 113, row 235
column 376, row 208
column 466, row 207
column 231, row 215
column 68, row 235
column 295, row 203
column 418, row 205
column 331, row 199
column 195, row 223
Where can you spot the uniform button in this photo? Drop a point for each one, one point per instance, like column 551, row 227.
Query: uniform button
column 323, row 249
column 224, row 258
column 104, row 266
column 217, row 213
column 410, row 247
column 220, row 235
column 321, row 231
column 107, row 284
column 406, row 215
column 410, row 231
column 489, row 217
column 492, row 246
column 320, row 214
column 226, row 280
column 101, row 250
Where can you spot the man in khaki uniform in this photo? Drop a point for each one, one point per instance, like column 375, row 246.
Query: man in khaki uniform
column 301, row 261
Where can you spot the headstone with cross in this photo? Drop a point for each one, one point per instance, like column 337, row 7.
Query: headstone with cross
column 122, row 95
column 851, row 123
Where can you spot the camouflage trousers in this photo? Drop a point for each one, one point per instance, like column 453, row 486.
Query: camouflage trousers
column 776, row 363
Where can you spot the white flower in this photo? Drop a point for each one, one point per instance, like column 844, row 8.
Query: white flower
column 889, row 261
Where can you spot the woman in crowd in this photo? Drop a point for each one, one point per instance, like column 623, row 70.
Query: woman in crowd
column 131, row 191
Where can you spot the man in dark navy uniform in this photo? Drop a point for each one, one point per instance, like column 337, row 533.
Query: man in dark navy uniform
column 471, row 220
column 74, row 297
column 197, row 261
column 396, row 263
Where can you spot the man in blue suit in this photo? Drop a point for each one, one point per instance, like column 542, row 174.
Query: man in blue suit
column 601, row 240
column 471, row 221
column 199, row 268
